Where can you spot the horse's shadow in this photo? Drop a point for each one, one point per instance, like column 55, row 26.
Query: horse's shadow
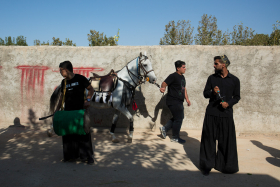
column 165, row 112
column 142, row 108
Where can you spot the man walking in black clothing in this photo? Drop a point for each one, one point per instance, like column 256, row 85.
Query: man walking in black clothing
column 76, row 146
column 223, row 90
column 177, row 92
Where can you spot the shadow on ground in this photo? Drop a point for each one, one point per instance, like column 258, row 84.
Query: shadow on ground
column 275, row 153
column 29, row 158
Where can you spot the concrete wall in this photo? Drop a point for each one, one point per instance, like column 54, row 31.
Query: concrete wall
column 28, row 76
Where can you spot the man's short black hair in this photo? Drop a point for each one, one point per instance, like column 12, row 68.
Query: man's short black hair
column 220, row 59
column 217, row 57
column 66, row 65
column 179, row 64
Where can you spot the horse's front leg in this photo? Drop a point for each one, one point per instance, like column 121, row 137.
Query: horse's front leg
column 131, row 128
column 113, row 127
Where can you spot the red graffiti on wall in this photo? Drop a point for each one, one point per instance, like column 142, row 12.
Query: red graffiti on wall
column 97, row 121
column 32, row 80
column 85, row 71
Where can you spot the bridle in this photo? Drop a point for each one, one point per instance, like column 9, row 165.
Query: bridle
column 141, row 78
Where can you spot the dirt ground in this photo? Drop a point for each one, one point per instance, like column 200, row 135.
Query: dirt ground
column 29, row 158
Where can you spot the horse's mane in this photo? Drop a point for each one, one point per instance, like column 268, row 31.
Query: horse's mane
column 131, row 61
column 126, row 64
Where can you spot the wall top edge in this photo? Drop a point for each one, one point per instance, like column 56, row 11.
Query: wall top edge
column 136, row 47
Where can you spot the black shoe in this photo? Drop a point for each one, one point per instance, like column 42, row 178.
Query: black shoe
column 90, row 161
column 206, row 172
column 69, row 160
column 83, row 160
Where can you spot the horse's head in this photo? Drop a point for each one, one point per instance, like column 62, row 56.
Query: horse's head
column 146, row 69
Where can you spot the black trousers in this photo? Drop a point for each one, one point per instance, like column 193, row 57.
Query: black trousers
column 175, row 122
column 77, row 146
column 225, row 159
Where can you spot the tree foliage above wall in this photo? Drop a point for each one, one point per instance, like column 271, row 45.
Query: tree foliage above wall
column 176, row 33
column 209, row 34
column 96, row 38
column 179, row 33
column 19, row 41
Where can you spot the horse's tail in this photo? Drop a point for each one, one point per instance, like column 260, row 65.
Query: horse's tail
column 54, row 98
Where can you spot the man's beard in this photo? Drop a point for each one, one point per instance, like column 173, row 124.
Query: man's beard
column 217, row 71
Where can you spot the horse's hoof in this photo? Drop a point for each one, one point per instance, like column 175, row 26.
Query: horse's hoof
column 49, row 133
column 129, row 140
column 115, row 141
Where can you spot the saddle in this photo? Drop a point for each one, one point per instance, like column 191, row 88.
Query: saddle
column 105, row 83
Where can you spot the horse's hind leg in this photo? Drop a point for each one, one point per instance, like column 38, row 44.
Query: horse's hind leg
column 130, row 118
column 113, row 127
column 50, row 131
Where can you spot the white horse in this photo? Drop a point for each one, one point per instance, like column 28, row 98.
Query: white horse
column 129, row 77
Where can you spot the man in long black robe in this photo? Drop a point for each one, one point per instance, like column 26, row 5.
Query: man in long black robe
column 223, row 90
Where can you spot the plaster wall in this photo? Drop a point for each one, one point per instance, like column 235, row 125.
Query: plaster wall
column 29, row 75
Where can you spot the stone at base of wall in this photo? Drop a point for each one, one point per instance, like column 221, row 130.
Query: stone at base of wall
column 257, row 134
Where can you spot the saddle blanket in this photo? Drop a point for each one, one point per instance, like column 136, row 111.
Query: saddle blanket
column 102, row 97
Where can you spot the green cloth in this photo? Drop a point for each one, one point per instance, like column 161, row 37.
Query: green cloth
column 69, row 122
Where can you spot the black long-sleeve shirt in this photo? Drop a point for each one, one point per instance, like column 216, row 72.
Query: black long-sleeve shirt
column 229, row 90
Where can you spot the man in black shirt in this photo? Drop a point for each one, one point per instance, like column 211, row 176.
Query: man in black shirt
column 223, row 89
column 76, row 146
column 177, row 92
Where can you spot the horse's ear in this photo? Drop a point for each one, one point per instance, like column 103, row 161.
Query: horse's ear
column 140, row 54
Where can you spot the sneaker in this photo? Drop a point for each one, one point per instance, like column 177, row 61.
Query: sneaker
column 178, row 140
column 162, row 131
